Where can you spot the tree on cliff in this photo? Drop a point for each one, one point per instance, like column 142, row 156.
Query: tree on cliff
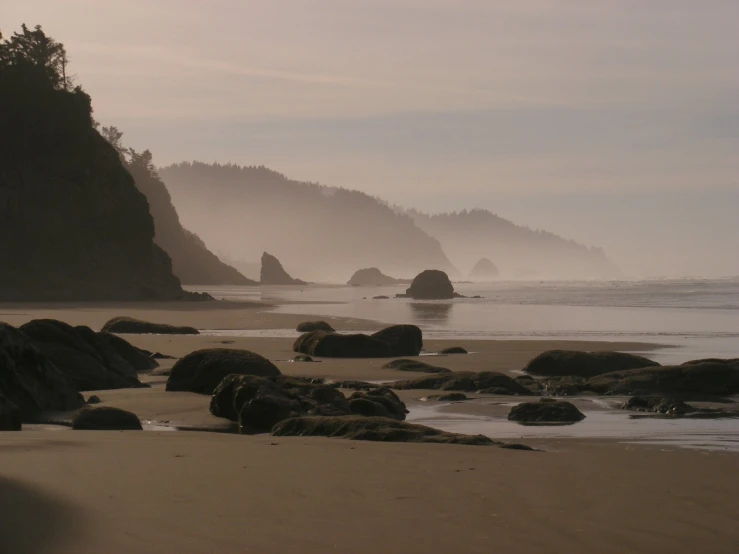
column 33, row 51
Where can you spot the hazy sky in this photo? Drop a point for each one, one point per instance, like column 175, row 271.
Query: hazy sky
column 615, row 123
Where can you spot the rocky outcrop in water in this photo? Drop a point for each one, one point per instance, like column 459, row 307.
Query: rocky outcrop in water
column 90, row 360
column 546, row 411
column 373, row 277
column 372, row 429
column 431, row 284
column 404, row 340
column 273, row 273
column 128, row 325
column 484, row 270
column 491, row 382
column 583, row 364
column 201, row 371
column 105, row 418
column 30, row 380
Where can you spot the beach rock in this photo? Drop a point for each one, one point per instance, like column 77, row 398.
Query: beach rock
column 691, row 379
column 94, row 399
column 558, row 411
column 303, row 358
column 10, row 415
column 668, row 406
column 30, row 380
column 380, row 402
column 484, row 270
column 404, row 340
column 258, row 403
column 517, row 446
column 569, row 385
column 201, row 371
column 372, row 429
column 85, row 357
column 414, row 365
column 453, row 350
column 465, row 381
column 449, row 397
column 354, row 385
column 137, row 358
column 380, row 297
column 372, row 276
column 431, row 284
column 129, row 325
column 308, row 326
column 160, row 356
column 334, row 345
column 105, row 418
column 272, row 272
column 583, row 364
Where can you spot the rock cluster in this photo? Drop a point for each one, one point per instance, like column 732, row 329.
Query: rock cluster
column 397, row 340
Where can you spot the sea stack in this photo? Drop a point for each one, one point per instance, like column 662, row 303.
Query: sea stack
column 484, row 270
column 431, row 284
column 274, row 274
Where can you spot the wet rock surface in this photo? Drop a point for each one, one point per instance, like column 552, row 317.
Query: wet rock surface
column 453, row 350
column 128, row 325
column 373, row 429
column 557, row 411
column 465, row 382
column 404, row 340
column 90, row 360
column 414, row 365
column 449, row 397
column 30, row 380
column 334, row 345
column 201, row 371
column 560, row 363
column 308, row 326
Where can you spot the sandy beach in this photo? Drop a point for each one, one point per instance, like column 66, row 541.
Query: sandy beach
column 194, row 492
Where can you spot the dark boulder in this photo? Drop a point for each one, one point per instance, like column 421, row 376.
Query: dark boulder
column 138, row 359
column 583, row 364
column 372, row 429
column 258, row 403
column 404, row 340
column 691, row 379
column 558, row 411
column 272, row 272
column 334, row 345
column 303, row 358
column 372, row 276
column 201, row 371
column 10, row 415
column 465, row 381
column 87, row 358
column 380, row 402
column 431, row 284
column 659, row 405
column 448, row 397
column 106, row 418
column 570, row 385
column 414, row 365
column 129, row 325
column 453, row 350
column 30, row 380
column 380, row 297
column 308, row 326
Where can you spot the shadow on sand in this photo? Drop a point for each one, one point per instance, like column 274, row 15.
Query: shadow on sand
column 34, row 521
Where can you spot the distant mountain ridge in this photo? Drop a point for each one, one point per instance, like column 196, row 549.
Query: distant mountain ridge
column 517, row 251
column 320, row 232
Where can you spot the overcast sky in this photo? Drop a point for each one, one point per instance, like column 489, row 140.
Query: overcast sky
column 615, row 123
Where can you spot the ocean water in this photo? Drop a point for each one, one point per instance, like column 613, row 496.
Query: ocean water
column 700, row 317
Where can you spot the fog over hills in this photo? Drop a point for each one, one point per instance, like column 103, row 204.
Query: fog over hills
column 517, row 251
column 325, row 233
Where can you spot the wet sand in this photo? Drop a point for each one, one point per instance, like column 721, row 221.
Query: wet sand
column 190, row 492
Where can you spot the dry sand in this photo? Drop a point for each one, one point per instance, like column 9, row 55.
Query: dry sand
column 145, row 492
column 186, row 492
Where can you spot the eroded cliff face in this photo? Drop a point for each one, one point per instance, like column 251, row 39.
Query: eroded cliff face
column 72, row 224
